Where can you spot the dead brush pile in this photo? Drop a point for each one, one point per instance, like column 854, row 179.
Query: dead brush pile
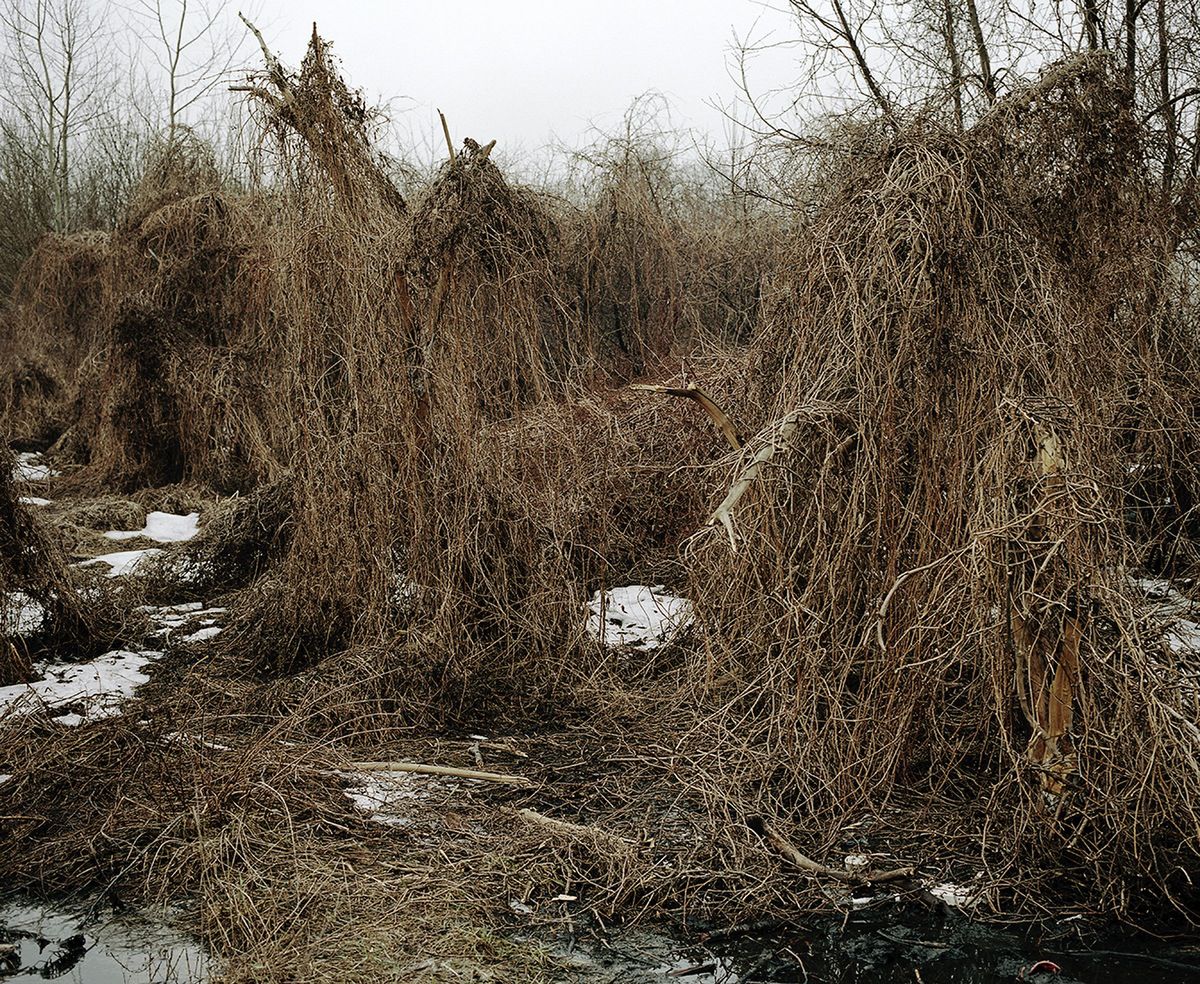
column 181, row 392
column 150, row 347
column 432, row 340
column 53, row 321
column 660, row 260
column 914, row 597
column 42, row 612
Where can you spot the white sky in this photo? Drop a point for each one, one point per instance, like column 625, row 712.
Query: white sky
column 527, row 72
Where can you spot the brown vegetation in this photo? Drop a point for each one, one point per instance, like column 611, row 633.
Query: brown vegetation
column 969, row 388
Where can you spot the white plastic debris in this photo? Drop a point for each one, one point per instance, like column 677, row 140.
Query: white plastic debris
column 636, row 615
column 163, row 527
column 956, row 896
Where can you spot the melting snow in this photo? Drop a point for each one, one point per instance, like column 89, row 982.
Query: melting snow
column 1183, row 638
column 382, row 794
column 163, row 527
column 637, row 616
column 30, row 468
column 1168, row 600
column 20, row 615
column 123, row 562
column 101, row 686
column 191, row 615
column 35, row 500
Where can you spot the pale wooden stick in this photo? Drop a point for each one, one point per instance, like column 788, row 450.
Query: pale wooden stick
column 566, row 827
column 446, row 131
column 440, row 770
column 815, row 868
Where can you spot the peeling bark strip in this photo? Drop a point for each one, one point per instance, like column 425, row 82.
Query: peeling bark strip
column 1045, row 631
column 775, row 437
column 693, row 392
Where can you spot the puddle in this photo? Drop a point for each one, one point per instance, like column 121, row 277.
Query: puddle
column 40, row 942
column 908, row 947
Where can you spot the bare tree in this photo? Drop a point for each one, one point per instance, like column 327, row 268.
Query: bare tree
column 194, row 45
column 53, row 88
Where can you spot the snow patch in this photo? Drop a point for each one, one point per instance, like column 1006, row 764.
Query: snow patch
column 382, row 795
column 1183, row 638
column 1167, row 599
column 122, row 562
column 31, row 468
column 100, row 686
column 163, row 527
column 20, row 615
column 191, row 616
column 636, row 615
column 35, row 500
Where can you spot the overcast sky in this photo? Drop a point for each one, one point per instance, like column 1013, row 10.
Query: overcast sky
column 527, row 72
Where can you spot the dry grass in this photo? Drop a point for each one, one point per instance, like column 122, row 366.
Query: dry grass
column 972, row 384
column 928, row 596
column 33, row 569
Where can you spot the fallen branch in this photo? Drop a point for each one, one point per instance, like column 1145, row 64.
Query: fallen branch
column 775, row 437
column 818, row 870
column 784, row 428
column 440, row 770
column 693, row 392
column 1056, row 77
column 574, row 829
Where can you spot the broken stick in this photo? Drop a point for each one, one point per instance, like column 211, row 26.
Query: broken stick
column 574, row 829
column 440, row 770
column 693, row 392
column 818, row 870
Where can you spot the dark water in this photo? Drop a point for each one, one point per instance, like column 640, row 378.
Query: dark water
column 881, row 948
column 40, row 942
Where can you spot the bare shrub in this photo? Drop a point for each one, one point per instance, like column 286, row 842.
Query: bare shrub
column 915, row 594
